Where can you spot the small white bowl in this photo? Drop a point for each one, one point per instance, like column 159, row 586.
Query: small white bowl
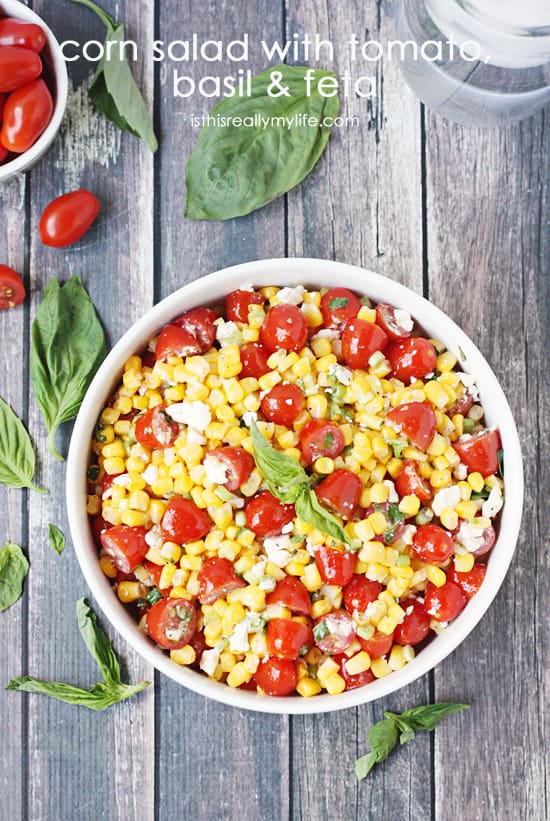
column 57, row 81
column 316, row 273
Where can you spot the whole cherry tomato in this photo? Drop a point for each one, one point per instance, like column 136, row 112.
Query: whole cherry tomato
column 378, row 645
column 412, row 358
column 416, row 420
column 216, row 579
column 12, row 290
column 335, row 566
column 155, row 429
column 27, row 112
column 288, row 639
column 392, row 323
column 126, row 545
column 340, row 492
column 254, row 358
column 276, row 677
column 337, row 306
column 469, row 582
column 479, row 452
column 19, row 33
column 237, row 304
column 353, row 680
column 172, row 622
column 283, row 404
column 320, row 438
column 184, row 522
column 432, row 544
column 291, row 593
column 176, row 341
column 359, row 593
column 266, row 515
column 334, row 632
column 18, row 66
column 360, row 339
column 237, row 463
column 67, row 218
column 444, row 603
column 285, row 328
column 199, row 322
column 409, row 482
column 416, row 624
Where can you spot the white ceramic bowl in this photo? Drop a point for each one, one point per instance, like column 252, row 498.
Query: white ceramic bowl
column 57, row 81
column 310, row 272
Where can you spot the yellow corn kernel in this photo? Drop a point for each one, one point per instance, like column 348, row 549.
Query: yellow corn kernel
column 396, row 659
column 111, row 515
column 93, row 505
column 475, row 480
column 317, row 405
column 379, row 493
column 134, row 518
column 269, row 380
column 324, row 465
column 358, row 663
column 108, row 567
column 313, row 315
column 467, row 509
column 366, row 313
column 139, row 500
column 167, row 576
column 326, row 669
column 311, row 578
column 233, row 390
column 114, row 465
column 378, row 522
column 227, row 661
column 294, row 568
column 398, row 586
column 465, row 493
column 252, row 597
column 320, row 608
column 436, row 575
column 185, row 655
column 409, row 505
column 365, row 532
column 464, row 562
column 440, row 478
column 251, row 662
column 446, row 362
column 129, row 592
column 321, row 346
column 436, row 394
column 308, row 687
column 458, row 422
column 380, row 668
column 238, row 675
column 301, row 368
column 109, row 416
column 229, row 362
column 449, row 518
column 437, row 445
column 335, row 684
column 246, row 538
column 387, row 625
column 372, row 552
column 440, row 462
column 162, row 487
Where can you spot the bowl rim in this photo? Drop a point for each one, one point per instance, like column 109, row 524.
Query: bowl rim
column 312, row 272
column 23, row 162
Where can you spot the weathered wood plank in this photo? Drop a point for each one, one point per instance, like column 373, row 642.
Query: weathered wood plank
column 489, row 260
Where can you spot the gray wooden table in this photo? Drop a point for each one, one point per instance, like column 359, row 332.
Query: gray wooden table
column 456, row 213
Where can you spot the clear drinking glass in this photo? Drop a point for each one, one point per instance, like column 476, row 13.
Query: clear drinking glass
column 478, row 62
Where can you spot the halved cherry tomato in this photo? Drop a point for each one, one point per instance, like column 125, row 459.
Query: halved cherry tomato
column 479, row 451
column 276, row 677
column 15, row 32
column 462, row 404
column 285, row 328
column 176, row 341
column 184, row 522
column 283, row 404
column 67, row 218
column 387, row 318
column 266, row 515
column 27, row 112
column 412, row 358
column 12, row 290
column 216, row 579
column 469, row 582
column 126, row 545
column 416, row 624
column 409, row 482
column 18, row 66
column 291, row 593
column 108, row 481
column 489, row 539
column 254, row 358
column 319, row 438
column 444, row 603
column 237, row 304
column 155, row 573
column 155, row 429
column 288, row 639
column 238, row 464
column 334, row 632
column 432, row 544
column 199, row 322
column 359, row 593
column 394, row 529
column 360, row 339
column 356, row 679
column 416, row 420
column 98, row 526
column 199, row 645
column 340, row 492
column 337, row 306
column 335, row 566
column 378, row 646
column 172, row 622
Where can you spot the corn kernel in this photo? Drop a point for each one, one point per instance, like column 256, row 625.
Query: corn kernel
column 396, row 659
column 475, row 480
column 328, row 668
column 321, row 346
column 320, row 608
column 366, row 313
column 380, row 668
column 379, row 493
column 464, row 562
column 436, row 575
column 323, row 465
column 440, row 478
column 308, row 687
column 449, row 518
column 378, row 522
column 238, row 675
column 114, row 465
column 93, row 505
column 311, row 578
column 335, row 684
column 358, row 663
column 129, row 592
column 108, row 567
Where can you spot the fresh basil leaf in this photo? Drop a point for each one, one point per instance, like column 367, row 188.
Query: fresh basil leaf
column 57, row 539
column 97, row 643
column 394, row 513
column 429, row 716
column 398, row 446
column 14, row 567
column 283, row 474
column 235, row 169
column 309, row 509
column 114, row 91
column 364, row 765
column 338, row 302
column 153, row 596
column 17, row 459
column 382, row 737
column 67, row 347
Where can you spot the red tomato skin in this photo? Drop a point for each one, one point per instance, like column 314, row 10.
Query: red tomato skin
column 287, row 638
column 176, row 341
column 276, row 677
column 27, row 112
column 184, row 522
column 98, row 526
column 254, row 358
column 335, row 566
column 320, row 438
column 432, row 544
column 283, row 404
column 18, row 66
column 66, row 219
column 12, row 290
column 155, row 572
column 480, row 452
column 340, row 491
column 359, row 592
column 15, row 32
column 3, row 98
column 4, row 153
column 199, row 645
column 339, row 641
column 291, row 593
column 337, row 317
column 360, row 339
column 216, row 579
column 285, row 328
column 126, row 545
column 238, row 463
column 159, row 621
column 378, row 646
column 412, row 358
column 199, row 322
column 386, row 319
column 416, row 420
column 266, row 515
column 462, row 404
column 489, row 539
column 155, row 429
column 238, row 302
column 469, row 582
column 353, row 680
column 415, row 626
column 410, row 482
column 444, row 603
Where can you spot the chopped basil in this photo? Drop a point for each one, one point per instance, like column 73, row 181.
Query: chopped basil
column 338, row 302
column 153, row 596
column 389, row 534
column 398, row 446
column 328, row 440
column 320, row 631
column 93, row 473
column 500, row 456
column 394, row 513
column 481, row 494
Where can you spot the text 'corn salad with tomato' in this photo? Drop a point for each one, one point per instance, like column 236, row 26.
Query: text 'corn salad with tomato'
column 295, row 490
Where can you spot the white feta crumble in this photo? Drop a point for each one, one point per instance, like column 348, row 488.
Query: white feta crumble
column 326, row 333
column 196, row 414
column 248, row 417
column 461, row 472
column 277, row 549
column 209, row 660
column 408, row 534
column 154, row 537
column 227, row 333
column 238, row 642
column 404, row 319
column 195, row 437
column 469, row 382
column 392, row 493
column 150, row 474
column 288, row 528
column 169, row 456
column 493, row 504
column 447, row 497
column 342, row 374
column 123, row 480
column 215, row 470
column 470, row 536
column 291, row 296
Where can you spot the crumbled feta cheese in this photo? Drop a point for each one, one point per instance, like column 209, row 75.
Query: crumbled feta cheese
column 267, row 583
column 123, row 480
column 195, row 437
column 249, row 417
column 288, row 528
column 154, row 537
column 227, row 333
column 404, row 319
column 277, row 549
column 408, row 534
column 209, row 660
column 470, row 536
column 447, row 497
column 196, row 414
column 215, row 470
column 150, row 474
column 342, row 374
column 469, row 382
column 169, row 456
column 493, row 504
column 326, row 333
column 333, row 593
column 461, row 472
column 292, row 296
column 238, row 642
column 392, row 497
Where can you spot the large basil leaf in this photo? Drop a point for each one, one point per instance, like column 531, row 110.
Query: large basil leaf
column 309, row 509
column 14, row 567
column 67, row 347
column 17, row 460
column 283, row 474
column 114, row 91
column 235, row 169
